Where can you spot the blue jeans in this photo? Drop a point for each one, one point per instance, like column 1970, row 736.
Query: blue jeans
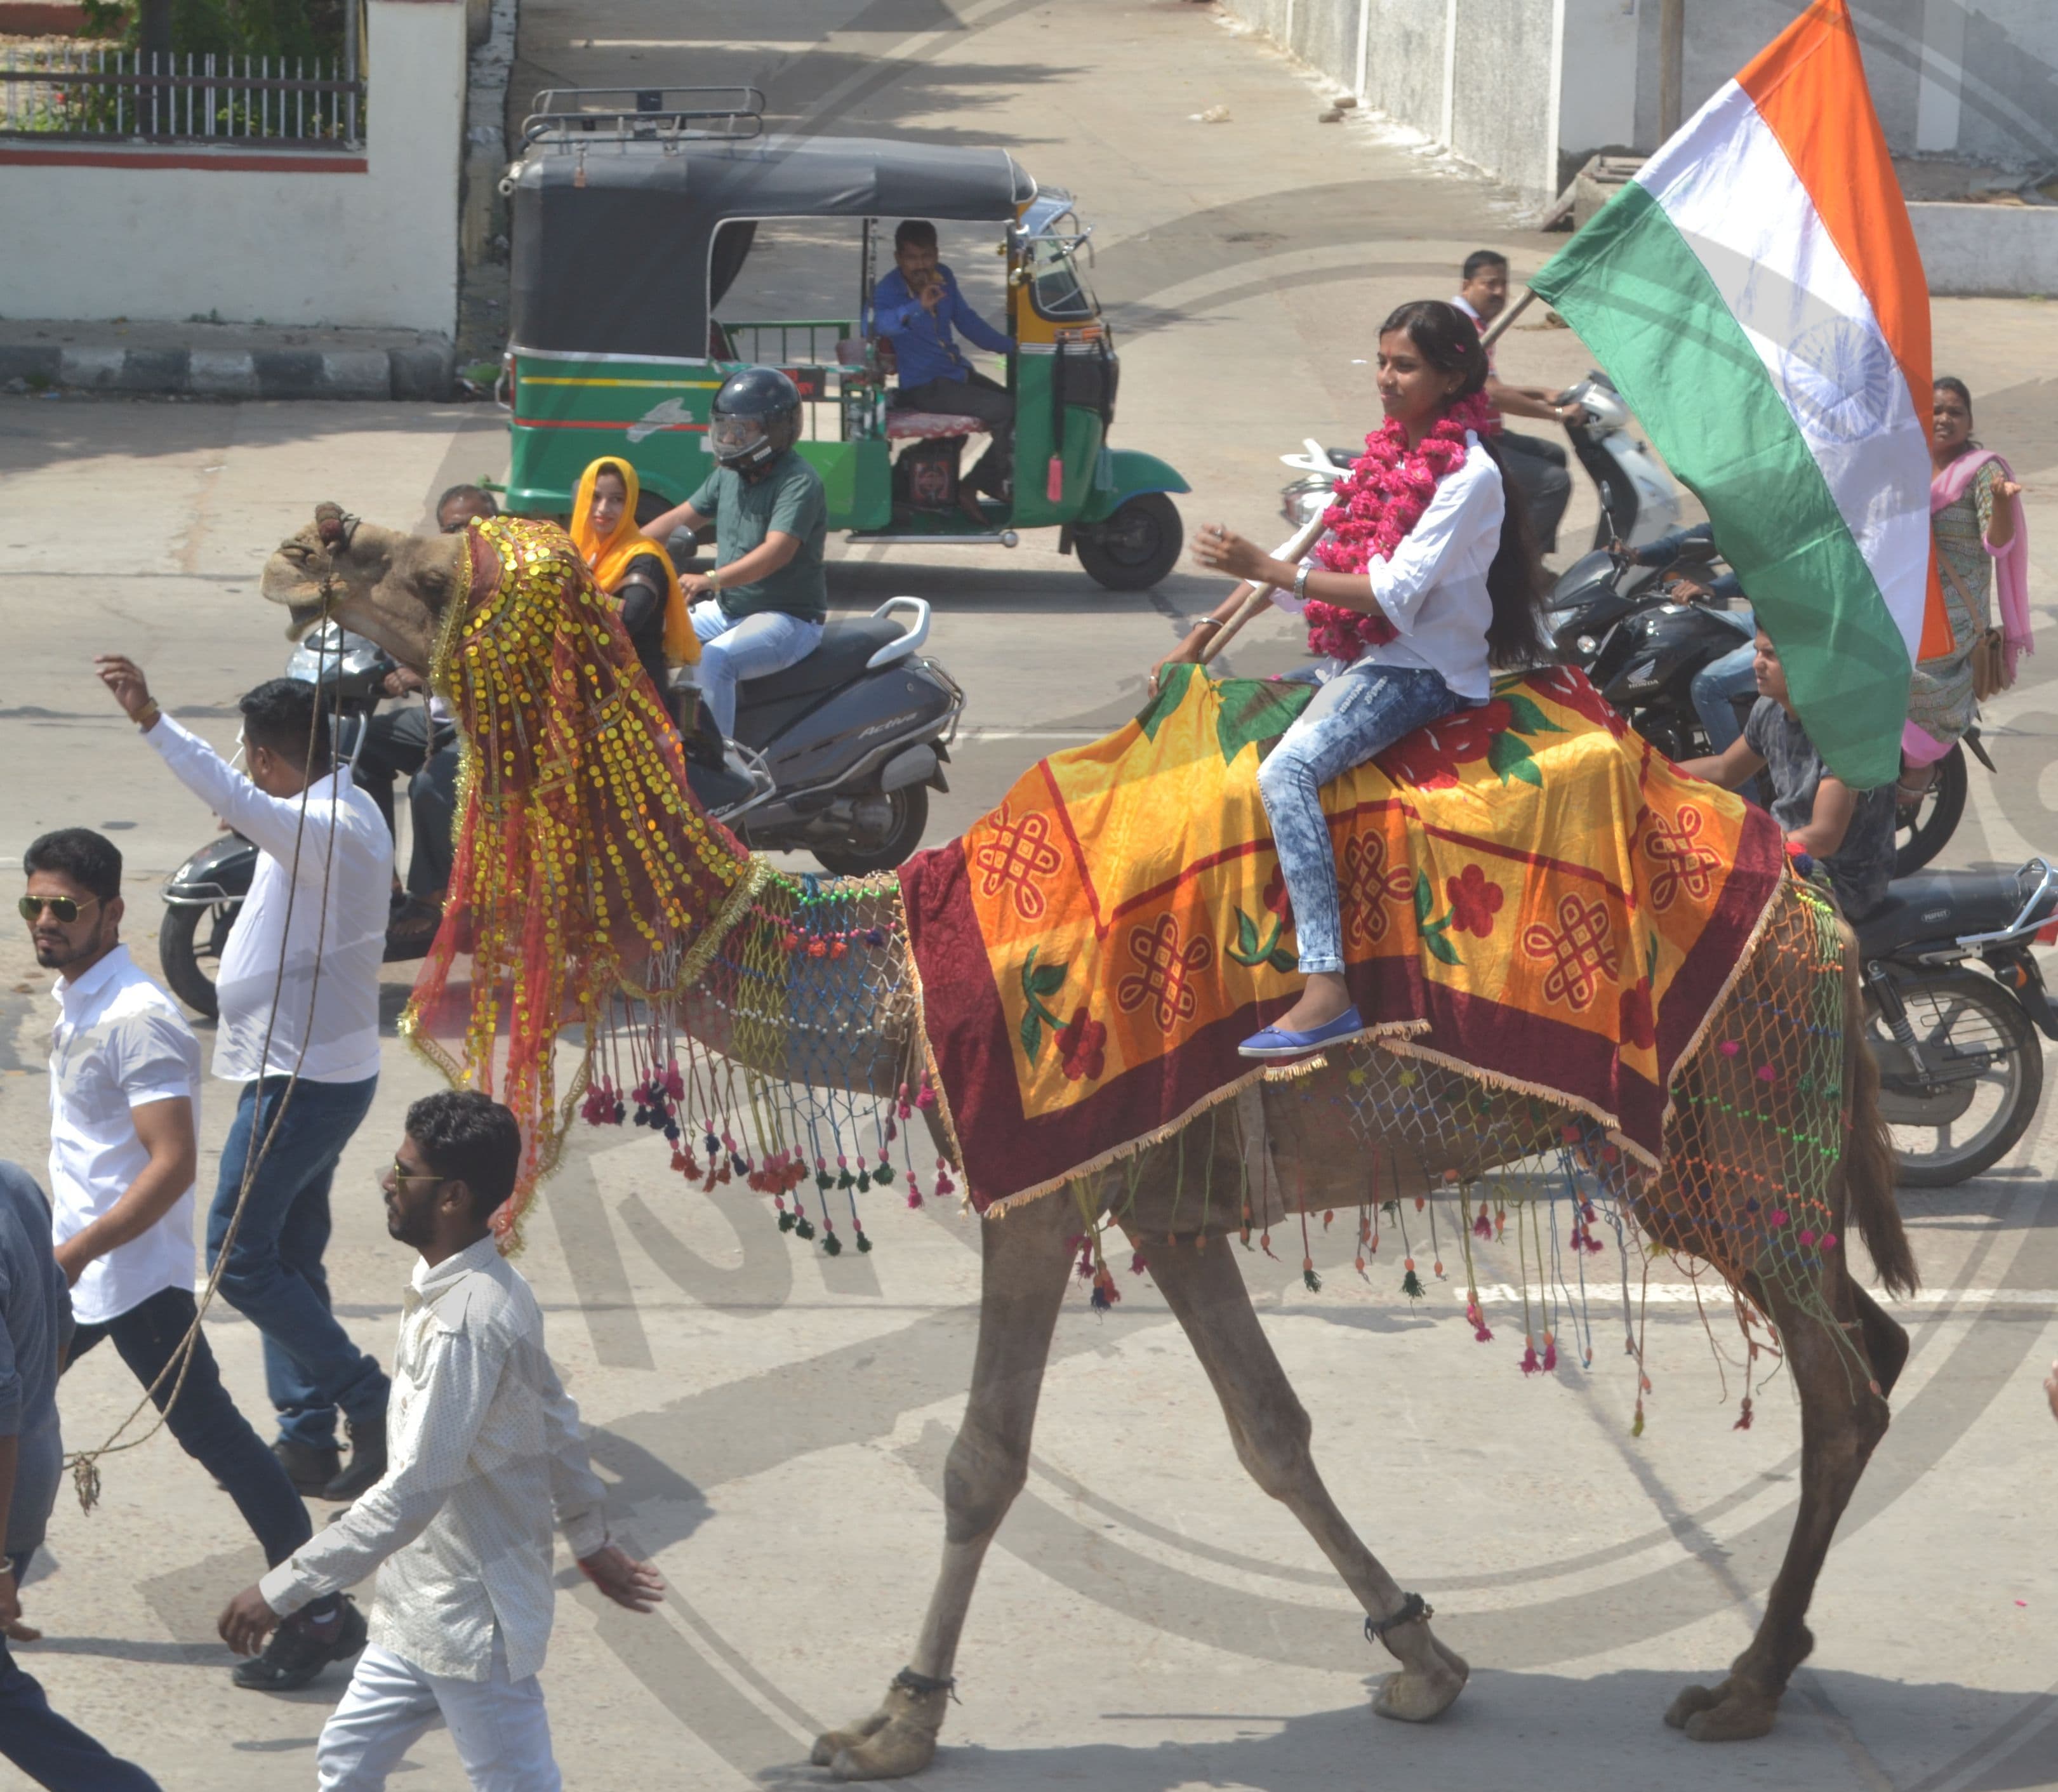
column 50, row 1751
column 1715, row 687
column 1361, row 712
column 730, row 652
column 275, row 1277
column 207, row 1422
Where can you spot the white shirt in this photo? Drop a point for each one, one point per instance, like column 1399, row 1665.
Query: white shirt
column 341, row 1034
column 119, row 1042
column 483, row 1446
column 1460, row 301
column 1433, row 587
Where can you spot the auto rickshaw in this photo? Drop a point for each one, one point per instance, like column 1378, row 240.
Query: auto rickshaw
column 633, row 214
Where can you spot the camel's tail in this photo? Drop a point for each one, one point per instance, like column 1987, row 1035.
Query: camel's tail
column 1868, row 1149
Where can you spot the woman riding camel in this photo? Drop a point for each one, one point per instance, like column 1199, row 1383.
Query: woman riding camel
column 1978, row 527
column 1425, row 581
column 633, row 569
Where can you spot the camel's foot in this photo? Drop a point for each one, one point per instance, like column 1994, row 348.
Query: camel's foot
column 1416, row 1695
column 1735, row 1711
column 898, row 1739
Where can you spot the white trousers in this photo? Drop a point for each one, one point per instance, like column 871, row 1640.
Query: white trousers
column 502, row 1732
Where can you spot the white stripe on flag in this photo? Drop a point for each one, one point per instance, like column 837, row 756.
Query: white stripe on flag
column 1726, row 183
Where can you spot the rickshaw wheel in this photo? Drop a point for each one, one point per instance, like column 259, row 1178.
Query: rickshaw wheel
column 1136, row 547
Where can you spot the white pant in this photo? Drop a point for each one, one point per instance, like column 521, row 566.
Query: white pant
column 502, row 1732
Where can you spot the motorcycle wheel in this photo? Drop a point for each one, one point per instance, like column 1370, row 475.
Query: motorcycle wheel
column 1946, row 1134
column 910, row 805
column 1136, row 546
column 1921, row 829
column 189, row 944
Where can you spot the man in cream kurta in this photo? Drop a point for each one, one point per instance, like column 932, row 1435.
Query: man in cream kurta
column 485, row 1453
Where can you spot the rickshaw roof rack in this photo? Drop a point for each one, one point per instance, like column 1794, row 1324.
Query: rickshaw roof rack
column 699, row 114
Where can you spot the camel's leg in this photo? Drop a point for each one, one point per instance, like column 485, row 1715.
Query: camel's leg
column 1842, row 1421
column 1270, row 1428
column 1025, row 1264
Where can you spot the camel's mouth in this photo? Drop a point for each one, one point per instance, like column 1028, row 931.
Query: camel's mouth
column 300, row 617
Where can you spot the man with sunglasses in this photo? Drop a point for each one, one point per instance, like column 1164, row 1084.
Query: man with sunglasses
column 487, row 1456
column 124, row 1112
column 298, row 993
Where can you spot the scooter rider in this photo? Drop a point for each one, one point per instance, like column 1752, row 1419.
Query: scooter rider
column 1718, row 684
column 1537, row 468
column 763, row 607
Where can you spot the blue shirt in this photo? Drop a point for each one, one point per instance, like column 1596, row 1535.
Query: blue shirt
column 35, row 1317
column 922, row 342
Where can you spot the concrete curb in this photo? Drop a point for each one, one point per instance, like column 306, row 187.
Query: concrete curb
column 426, row 370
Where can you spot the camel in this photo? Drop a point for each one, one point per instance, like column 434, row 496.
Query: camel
column 1428, row 1130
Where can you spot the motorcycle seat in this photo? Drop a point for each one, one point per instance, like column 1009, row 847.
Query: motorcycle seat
column 1941, row 905
column 838, row 659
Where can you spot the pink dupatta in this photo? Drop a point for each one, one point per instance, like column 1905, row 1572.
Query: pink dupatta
column 2010, row 563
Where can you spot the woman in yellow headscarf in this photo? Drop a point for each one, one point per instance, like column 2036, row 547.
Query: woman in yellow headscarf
column 632, row 569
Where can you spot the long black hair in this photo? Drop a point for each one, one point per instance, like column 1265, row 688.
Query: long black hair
column 1449, row 341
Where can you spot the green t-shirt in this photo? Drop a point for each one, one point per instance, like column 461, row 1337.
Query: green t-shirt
column 788, row 497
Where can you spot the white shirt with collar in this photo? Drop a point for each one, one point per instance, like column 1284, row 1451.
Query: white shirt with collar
column 119, row 1042
column 1433, row 587
column 1478, row 322
column 336, row 1016
column 484, row 1449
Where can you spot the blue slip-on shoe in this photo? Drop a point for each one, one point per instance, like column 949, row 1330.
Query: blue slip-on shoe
column 1277, row 1042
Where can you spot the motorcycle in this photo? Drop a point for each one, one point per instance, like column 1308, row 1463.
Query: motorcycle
column 835, row 756
column 1961, row 1068
column 1638, row 500
column 1922, row 827
column 204, row 897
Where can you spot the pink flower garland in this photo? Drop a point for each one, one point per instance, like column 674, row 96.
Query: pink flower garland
column 1376, row 504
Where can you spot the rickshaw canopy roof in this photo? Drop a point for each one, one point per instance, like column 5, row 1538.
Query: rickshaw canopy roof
column 587, row 208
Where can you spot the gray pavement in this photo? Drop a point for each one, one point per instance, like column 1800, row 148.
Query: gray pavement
column 774, row 1422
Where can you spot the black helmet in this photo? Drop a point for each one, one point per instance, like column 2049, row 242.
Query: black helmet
column 756, row 418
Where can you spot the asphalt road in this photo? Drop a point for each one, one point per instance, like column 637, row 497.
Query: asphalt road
column 775, row 1421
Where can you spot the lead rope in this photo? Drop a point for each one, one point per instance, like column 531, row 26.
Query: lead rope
column 85, row 1465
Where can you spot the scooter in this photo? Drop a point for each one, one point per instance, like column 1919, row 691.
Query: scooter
column 1639, row 500
column 836, row 755
column 1961, row 1068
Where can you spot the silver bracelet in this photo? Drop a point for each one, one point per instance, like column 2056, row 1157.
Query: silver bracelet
column 1301, row 582
column 1207, row 622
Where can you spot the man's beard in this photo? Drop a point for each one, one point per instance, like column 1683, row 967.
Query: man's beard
column 56, row 957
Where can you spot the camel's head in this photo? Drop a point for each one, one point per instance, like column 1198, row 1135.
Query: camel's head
column 375, row 582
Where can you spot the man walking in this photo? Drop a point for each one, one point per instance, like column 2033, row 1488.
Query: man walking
column 1537, row 468
column 298, row 990
column 34, row 1315
column 124, row 1112
column 486, row 1449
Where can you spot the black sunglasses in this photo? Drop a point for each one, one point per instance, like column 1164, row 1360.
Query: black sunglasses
column 64, row 910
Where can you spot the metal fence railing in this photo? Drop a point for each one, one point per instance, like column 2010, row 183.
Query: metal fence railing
column 72, row 92
column 809, row 349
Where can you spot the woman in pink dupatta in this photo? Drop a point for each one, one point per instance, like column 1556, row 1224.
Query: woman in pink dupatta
column 1977, row 518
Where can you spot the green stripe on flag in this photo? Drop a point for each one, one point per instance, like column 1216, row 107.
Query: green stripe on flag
column 1632, row 288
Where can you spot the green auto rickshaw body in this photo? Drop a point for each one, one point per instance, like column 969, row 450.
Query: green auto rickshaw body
column 616, row 350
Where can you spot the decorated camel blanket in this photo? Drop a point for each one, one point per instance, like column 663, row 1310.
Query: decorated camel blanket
column 1530, row 892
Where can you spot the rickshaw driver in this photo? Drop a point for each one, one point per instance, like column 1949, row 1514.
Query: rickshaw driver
column 914, row 308
column 763, row 607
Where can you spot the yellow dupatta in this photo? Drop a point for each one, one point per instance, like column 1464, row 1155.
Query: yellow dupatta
column 608, row 559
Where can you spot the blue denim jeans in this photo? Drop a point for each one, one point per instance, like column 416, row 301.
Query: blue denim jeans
column 208, row 1425
column 51, row 1750
column 1714, row 688
column 1361, row 712
column 730, row 652
column 275, row 1277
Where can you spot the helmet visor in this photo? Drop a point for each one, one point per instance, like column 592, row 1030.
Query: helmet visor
column 735, row 437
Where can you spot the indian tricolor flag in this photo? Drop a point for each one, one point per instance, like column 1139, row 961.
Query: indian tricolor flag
column 1756, row 296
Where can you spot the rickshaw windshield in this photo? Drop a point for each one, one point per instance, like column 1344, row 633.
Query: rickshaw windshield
column 1054, row 286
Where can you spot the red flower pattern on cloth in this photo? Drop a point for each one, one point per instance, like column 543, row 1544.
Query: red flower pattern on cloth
column 1082, row 1047
column 1376, row 504
column 1475, row 899
column 1637, row 1025
column 1571, row 687
column 1430, row 756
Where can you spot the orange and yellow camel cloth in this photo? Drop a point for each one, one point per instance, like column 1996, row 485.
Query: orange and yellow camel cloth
column 1530, row 892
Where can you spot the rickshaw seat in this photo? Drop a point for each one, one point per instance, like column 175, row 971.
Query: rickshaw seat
column 912, row 426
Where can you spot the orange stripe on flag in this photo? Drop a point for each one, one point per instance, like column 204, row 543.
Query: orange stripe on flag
column 1809, row 86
